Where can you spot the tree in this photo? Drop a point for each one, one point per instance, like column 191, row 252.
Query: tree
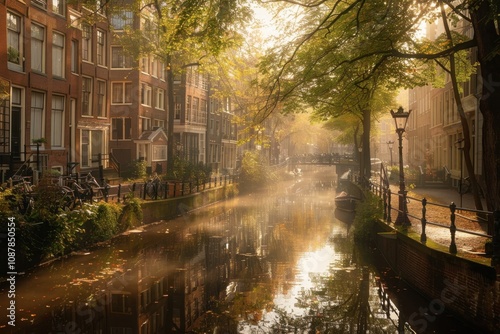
column 330, row 67
column 179, row 33
column 392, row 27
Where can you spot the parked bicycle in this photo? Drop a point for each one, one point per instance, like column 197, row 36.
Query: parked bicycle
column 154, row 187
column 23, row 188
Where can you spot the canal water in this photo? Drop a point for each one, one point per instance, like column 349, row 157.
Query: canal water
column 278, row 261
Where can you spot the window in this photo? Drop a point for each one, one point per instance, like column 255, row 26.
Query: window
column 158, row 123
column 145, row 65
column 38, row 48
column 39, row 3
column 37, row 115
column 57, row 121
column 122, row 19
column 121, row 128
column 119, row 59
column 161, row 71
column 146, row 92
column 121, row 92
column 188, row 108
column 177, row 108
column 196, row 107
column 101, row 48
column 59, row 7
column 86, row 42
column 58, row 55
column 86, row 96
column 101, row 98
column 159, row 152
column 14, row 38
column 160, row 99
column 120, row 303
column 91, row 145
column 145, row 123
column 74, row 56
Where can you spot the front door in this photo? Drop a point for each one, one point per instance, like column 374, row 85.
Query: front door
column 16, row 133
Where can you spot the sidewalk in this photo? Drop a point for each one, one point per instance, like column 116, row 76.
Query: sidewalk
column 444, row 196
column 466, row 242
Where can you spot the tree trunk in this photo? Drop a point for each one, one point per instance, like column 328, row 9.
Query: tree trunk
column 170, row 111
column 366, row 168
column 487, row 36
column 463, row 119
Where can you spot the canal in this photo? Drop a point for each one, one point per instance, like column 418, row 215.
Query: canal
column 278, row 261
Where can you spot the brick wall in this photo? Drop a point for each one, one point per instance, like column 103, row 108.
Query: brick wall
column 467, row 288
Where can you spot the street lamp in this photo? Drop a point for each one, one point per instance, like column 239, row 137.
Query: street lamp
column 459, row 144
column 400, row 119
column 390, row 144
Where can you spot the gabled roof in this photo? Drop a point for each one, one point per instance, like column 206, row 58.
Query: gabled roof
column 157, row 135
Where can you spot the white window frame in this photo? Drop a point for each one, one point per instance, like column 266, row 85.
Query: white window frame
column 160, row 99
column 119, row 59
column 159, row 152
column 87, row 96
column 15, row 28
column 57, row 121
column 86, row 42
column 101, row 47
column 125, row 133
column 58, row 54
column 101, row 99
column 59, row 7
column 146, row 95
column 38, row 42
column 37, row 112
column 121, row 92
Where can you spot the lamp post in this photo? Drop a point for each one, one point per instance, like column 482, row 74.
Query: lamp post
column 459, row 144
column 390, row 144
column 400, row 119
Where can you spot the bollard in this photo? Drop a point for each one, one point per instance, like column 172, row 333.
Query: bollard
column 423, row 236
column 453, row 229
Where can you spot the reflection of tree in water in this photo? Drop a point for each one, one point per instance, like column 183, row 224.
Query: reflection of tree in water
column 339, row 302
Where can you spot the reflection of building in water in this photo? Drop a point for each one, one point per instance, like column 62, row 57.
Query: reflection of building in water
column 133, row 300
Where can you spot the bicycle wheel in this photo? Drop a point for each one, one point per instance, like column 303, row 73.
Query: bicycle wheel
column 160, row 190
column 68, row 198
column 150, row 190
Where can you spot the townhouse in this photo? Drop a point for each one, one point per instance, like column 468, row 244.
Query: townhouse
column 73, row 99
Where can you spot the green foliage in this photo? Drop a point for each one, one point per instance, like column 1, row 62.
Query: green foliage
column 368, row 212
column 131, row 215
column 136, row 170
column 255, row 173
column 103, row 225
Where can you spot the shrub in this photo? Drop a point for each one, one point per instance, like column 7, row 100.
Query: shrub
column 131, row 215
column 368, row 212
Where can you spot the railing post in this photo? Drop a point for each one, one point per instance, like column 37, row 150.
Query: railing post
column 453, row 229
column 495, row 258
column 423, row 236
column 144, row 190
column 389, row 208
column 119, row 192
column 384, row 200
column 167, row 192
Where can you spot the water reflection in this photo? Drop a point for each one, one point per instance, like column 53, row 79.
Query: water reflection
column 279, row 262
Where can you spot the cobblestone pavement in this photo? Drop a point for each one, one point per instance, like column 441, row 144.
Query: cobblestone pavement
column 438, row 211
